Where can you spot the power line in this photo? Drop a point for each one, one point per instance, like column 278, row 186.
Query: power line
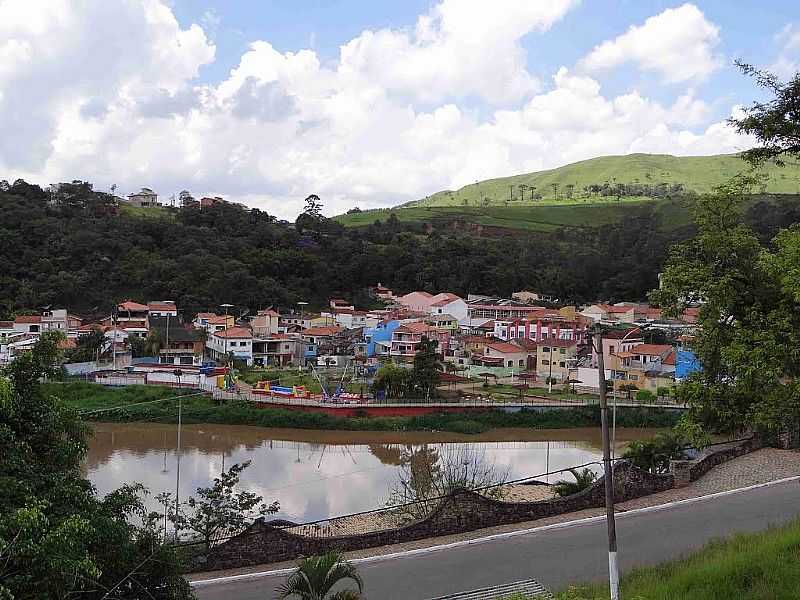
column 122, row 406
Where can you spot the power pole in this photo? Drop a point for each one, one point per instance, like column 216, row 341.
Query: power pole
column 608, row 472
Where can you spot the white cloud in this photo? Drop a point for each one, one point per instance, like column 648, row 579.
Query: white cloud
column 678, row 44
column 365, row 130
column 787, row 64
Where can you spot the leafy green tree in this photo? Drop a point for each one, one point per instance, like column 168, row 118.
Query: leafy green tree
column 426, row 372
column 316, row 577
column 153, row 343
column 645, row 396
column 57, row 539
column 393, row 380
column 217, row 511
column 662, row 392
column 583, row 479
column 89, row 346
column 137, row 346
column 775, row 123
column 628, row 388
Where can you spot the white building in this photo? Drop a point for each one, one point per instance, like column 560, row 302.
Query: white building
column 145, row 198
column 234, row 340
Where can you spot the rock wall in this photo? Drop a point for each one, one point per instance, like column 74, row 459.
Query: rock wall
column 708, row 462
column 459, row 512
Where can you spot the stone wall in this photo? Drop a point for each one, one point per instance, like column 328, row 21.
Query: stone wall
column 459, row 512
column 711, row 460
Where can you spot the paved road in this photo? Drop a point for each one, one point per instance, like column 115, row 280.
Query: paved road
column 556, row 557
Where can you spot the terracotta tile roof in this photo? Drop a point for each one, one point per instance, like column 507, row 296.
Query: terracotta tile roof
column 234, row 332
column 414, row 327
column 6, row 324
column 323, row 331
column 28, row 319
column 504, row 348
column 618, row 334
column 670, row 358
column 487, row 325
column 206, row 315
column 526, row 343
column 161, row 306
column 67, row 344
column 130, row 305
column 651, row 349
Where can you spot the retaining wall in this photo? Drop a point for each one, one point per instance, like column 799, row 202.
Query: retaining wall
column 459, row 512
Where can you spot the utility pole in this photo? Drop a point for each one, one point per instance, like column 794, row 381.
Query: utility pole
column 608, row 472
column 178, row 470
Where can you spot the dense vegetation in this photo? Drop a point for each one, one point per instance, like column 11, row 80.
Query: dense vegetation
column 75, row 248
column 745, row 567
column 92, row 400
column 58, row 539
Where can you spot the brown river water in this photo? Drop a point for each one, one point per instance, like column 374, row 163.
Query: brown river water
column 320, row 474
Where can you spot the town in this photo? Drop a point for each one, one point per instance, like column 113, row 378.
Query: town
column 525, row 339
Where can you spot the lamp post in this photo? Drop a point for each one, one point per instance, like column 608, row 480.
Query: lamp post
column 608, row 471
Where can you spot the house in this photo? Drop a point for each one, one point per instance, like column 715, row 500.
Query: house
column 209, row 201
column 59, row 320
column 28, row 324
column 616, row 341
column 6, row 329
column 407, row 337
column 544, row 324
column 129, row 310
column 533, row 297
column 646, row 366
column 555, row 359
column 234, row 340
column 144, row 198
column 212, row 322
column 318, row 340
column 503, row 354
column 278, row 350
column 383, row 293
column 181, row 344
column 266, row 323
column 448, row 304
column 443, row 321
column 481, row 309
column 295, row 322
column 162, row 308
column 339, row 304
column 346, row 318
column 379, row 337
column 418, row 301
column 611, row 313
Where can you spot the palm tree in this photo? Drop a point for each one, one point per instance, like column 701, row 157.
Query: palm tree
column 583, row 480
column 316, row 576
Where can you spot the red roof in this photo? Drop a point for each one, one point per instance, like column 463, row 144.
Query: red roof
column 130, row 305
column 161, row 306
column 526, row 343
column 234, row 332
column 618, row 334
column 557, row 343
column 505, row 348
column 6, row 324
column 28, row 319
column 269, row 313
column 323, row 331
column 670, row 358
column 651, row 349
column 487, row 325
column 414, row 327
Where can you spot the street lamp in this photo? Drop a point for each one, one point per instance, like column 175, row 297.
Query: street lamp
column 302, row 304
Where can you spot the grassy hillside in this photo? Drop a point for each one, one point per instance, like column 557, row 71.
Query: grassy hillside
column 695, row 173
column 541, row 217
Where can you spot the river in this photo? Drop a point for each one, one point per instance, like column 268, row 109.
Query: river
column 320, row 474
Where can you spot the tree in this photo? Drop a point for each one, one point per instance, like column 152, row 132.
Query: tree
column 137, row 346
column 628, row 388
column 583, row 479
column 57, row 539
column 218, row 511
column 655, row 455
column 89, row 346
column 645, row 396
column 153, row 343
column 311, row 219
column 774, row 123
column 427, row 475
column 426, row 373
column 392, row 380
column 315, row 577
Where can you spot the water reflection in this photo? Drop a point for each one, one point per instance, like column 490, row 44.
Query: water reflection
column 316, row 474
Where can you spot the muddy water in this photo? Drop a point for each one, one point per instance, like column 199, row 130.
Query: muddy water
column 318, row 474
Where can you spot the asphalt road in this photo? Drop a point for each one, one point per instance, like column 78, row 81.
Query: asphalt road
column 556, row 557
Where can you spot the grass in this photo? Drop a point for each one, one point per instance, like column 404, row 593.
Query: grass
column 87, row 397
column 697, row 173
column 150, row 212
column 762, row 566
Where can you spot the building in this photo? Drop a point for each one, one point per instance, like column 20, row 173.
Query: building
column 212, row 322
column 28, row 324
column 144, row 198
column 533, row 297
column 482, row 309
column 379, row 338
column 543, row 324
column 180, row 344
column 646, row 366
column 383, row 293
column 417, row 301
column 277, row 350
column 162, row 308
column 443, row 321
column 290, row 322
column 339, row 304
column 616, row 341
column 234, row 340
column 266, row 323
column 407, row 337
column 209, row 201
column 556, row 359
column 319, row 341
column 448, row 304
column 503, row 354
column 686, row 363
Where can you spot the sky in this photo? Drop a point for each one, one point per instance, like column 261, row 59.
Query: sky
column 366, row 103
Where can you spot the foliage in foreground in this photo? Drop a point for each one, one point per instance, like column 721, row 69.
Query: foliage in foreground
column 316, row 576
column 583, row 479
column 57, row 538
column 655, row 454
column 746, row 567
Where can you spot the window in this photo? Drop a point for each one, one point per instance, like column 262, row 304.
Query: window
column 545, row 362
column 545, row 349
column 33, row 328
column 633, row 377
column 562, row 350
column 521, row 363
column 562, row 364
column 185, row 360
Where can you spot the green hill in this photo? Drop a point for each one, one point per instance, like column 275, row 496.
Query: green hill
column 643, row 175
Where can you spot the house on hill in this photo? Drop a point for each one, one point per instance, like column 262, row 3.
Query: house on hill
column 144, row 198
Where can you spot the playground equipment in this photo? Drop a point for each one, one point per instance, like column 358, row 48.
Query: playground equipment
column 269, row 388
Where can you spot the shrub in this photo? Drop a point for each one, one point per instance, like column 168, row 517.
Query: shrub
column 583, row 479
column 654, row 455
column 645, row 396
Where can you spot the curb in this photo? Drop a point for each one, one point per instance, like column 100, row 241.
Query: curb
column 500, row 536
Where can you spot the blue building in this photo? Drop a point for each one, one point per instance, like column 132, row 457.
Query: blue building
column 382, row 332
column 686, row 362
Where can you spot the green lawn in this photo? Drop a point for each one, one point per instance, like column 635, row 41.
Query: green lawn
column 764, row 566
column 151, row 212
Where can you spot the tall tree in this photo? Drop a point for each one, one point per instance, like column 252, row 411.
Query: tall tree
column 426, row 372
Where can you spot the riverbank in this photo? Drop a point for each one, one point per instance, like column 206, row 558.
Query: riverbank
column 159, row 404
column 762, row 565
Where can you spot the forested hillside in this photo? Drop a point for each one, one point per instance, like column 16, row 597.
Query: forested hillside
column 77, row 249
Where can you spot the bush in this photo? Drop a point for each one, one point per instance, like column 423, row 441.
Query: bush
column 645, row 396
column 654, row 455
column 583, row 479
